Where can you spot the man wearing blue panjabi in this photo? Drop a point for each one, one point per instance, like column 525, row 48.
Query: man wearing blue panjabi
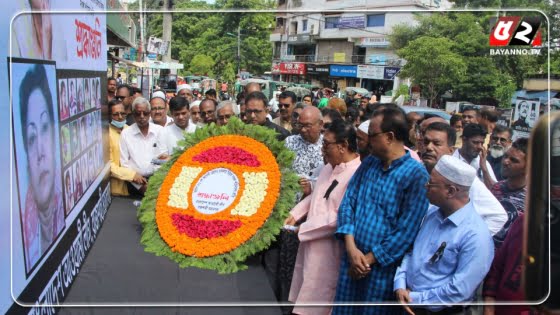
column 454, row 249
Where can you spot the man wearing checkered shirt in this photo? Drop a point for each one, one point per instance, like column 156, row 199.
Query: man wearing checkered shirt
column 379, row 216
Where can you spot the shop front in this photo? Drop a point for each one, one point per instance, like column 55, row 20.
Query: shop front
column 378, row 79
column 344, row 76
column 293, row 72
column 319, row 75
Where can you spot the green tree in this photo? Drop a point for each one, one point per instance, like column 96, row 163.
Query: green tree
column 432, row 63
column 469, row 32
column 206, row 34
column 202, row 65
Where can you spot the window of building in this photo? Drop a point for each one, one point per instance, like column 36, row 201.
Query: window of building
column 304, row 25
column 332, row 22
column 293, row 28
column 374, row 20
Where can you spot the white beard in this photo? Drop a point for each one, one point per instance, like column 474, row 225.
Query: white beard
column 496, row 151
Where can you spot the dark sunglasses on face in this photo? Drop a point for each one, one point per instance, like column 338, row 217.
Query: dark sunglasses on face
column 140, row 113
column 281, row 105
column 119, row 98
column 207, row 113
column 222, row 117
column 248, row 112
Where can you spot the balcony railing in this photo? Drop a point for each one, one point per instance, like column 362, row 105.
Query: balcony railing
column 352, row 59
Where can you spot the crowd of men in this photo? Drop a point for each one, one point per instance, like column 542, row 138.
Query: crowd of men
column 394, row 207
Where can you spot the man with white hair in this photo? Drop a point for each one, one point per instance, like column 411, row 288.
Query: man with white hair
column 453, row 250
column 224, row 112
column 138, row 144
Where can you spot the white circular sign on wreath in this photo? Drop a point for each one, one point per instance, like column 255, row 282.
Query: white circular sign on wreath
column 215, row 191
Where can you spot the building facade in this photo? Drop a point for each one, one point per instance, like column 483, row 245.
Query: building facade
column 316, row 44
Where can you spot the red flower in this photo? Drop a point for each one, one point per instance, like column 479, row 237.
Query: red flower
column 226, row 154
column 195, row 228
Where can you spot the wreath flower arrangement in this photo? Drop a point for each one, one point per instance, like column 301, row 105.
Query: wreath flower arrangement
column 220, row 199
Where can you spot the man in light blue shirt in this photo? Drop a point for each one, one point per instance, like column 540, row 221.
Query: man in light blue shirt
column 453, row 250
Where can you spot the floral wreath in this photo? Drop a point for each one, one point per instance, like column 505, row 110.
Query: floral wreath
column 186, row 218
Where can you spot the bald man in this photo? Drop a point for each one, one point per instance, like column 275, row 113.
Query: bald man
column 308, row 149
column 252, row 87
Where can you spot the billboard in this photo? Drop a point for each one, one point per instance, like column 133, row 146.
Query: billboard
column 58, row 157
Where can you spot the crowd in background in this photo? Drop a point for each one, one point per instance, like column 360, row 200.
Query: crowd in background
column 394, row 206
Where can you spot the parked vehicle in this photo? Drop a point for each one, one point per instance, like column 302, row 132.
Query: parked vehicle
column 427, row 110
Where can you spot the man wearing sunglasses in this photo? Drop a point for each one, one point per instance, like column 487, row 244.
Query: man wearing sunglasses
column 286, row 103
column 224, row 112
column 138, row 144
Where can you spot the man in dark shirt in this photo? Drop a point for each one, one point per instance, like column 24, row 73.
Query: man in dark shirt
column 500, row 141
column 256, row 111
column 513, row 189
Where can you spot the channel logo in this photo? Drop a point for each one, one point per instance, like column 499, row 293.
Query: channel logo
column 516, row 31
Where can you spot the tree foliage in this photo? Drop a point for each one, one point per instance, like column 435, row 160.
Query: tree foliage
column 437, row 72
column 487, row 78
column 206, row 34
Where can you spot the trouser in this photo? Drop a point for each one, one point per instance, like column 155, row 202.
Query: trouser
column 454, row 310
column 279, row 261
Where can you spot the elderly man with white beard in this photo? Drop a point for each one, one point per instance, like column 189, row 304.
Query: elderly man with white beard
column 500, row 142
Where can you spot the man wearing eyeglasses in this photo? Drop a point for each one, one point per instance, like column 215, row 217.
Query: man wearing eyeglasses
column 439, row 140
column 256, row 112
column 138, row 144
column 453, row 250
column 500, row 141
column 224, row 112
column 286, row 103
column 158, row 113
column 379, row 216
column 208, row 111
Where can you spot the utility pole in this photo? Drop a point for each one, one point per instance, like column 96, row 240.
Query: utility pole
column 167, row 20
column 142, row 41
column 239, row 51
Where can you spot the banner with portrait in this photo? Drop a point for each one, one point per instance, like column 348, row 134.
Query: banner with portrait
column 75, row 41
column 59, row 147
column 525, row 117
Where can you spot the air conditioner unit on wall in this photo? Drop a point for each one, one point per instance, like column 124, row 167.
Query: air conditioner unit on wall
column 314, row 29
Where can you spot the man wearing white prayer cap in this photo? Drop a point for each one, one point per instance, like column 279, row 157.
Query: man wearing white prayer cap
column 185, row 91
column 439, row 140
column 453, row 250
column 362, row 135
column 158, row 113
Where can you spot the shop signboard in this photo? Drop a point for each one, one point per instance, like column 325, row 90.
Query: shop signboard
column 318, row 69
column 343, row 71
column 292, row 68
column 370, row 72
